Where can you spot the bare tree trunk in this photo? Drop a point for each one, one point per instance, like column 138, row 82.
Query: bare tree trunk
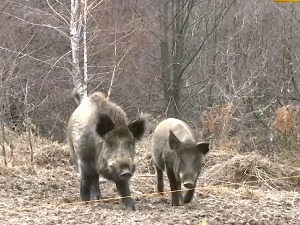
column 79, row 80
column 175, row 15
column 115, row 57
column 27, row 122
column 165, row 55
column 214, row 62
column 178, row 37
column 85, row 50
column 2, row 110
column 3, row 143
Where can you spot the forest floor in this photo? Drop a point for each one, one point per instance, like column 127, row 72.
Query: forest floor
column 232, row 189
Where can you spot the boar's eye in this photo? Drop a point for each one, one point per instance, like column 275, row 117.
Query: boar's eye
column 197, row 159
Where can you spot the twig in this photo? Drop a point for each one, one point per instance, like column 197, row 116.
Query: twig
column 3, row 144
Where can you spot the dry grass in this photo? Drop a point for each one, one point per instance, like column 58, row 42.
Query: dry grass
column 221, row 167
column 284, row 136
column 47, row 192
column 217, row 121
column 45, row 152
column 286, row 131
column 254, row 170
column 286, row 119
column 143, row 156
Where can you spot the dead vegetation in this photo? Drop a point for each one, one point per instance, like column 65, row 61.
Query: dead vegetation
column 251, row 169
column 286, row 134
column 45, row 152
column 283, row 136
column 221, row 167
column 230, row 182
column 226, row 165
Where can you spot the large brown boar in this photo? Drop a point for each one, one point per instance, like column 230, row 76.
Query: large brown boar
column 176, row 150
column 102, row 142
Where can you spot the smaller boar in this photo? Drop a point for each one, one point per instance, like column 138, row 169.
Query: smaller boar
column 176, row 150
column 102, row 141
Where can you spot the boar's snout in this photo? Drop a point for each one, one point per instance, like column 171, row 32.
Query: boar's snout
column 122, row 169
column 125, row 174
column 189, row 184
column 188, row 180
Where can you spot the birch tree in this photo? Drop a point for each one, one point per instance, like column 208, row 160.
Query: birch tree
column 78, row 21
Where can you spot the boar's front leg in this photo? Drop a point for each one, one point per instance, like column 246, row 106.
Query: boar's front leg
column 175, row 187
column 95, row 190
column 124, row 191
column 188, row 196
column 85, row 188
column 89, row 180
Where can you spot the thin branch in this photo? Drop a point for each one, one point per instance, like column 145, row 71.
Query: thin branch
column 201, row 89
column 41, row 25
column 206, row 37
column 59, row 15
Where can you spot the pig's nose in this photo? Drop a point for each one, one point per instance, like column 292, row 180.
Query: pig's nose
column 189, row 184
column 125, row 174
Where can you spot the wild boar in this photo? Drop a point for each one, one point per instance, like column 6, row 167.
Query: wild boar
column 102, row 141
column 176, row 150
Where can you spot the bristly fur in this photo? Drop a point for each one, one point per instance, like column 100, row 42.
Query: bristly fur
column 102, row 141
column 86, row 116
column 176, row 150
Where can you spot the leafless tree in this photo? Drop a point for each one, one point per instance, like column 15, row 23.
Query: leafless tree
column 178, row 20
column 178, row 58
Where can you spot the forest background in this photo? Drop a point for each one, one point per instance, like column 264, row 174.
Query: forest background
column 229, row 68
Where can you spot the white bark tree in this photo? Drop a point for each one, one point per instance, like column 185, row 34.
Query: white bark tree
column 78, row 21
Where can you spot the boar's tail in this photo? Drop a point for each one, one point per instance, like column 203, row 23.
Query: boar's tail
column 76, row 96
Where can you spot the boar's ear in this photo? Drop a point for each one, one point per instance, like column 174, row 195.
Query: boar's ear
column 174, row 142
column 203, row 147
column 104, row 124
column 137, row 128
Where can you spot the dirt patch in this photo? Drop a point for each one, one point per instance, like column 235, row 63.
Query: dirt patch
column 47, row 192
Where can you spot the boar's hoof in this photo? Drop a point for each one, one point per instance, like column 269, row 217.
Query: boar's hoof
column 130, row 205
column 132, row 208
column 125, row 174
column 177, row 203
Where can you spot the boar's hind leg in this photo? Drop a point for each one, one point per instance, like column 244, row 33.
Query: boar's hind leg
column 175, row 188
column 89, row 181
column 160, row 182
column 124, row 191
